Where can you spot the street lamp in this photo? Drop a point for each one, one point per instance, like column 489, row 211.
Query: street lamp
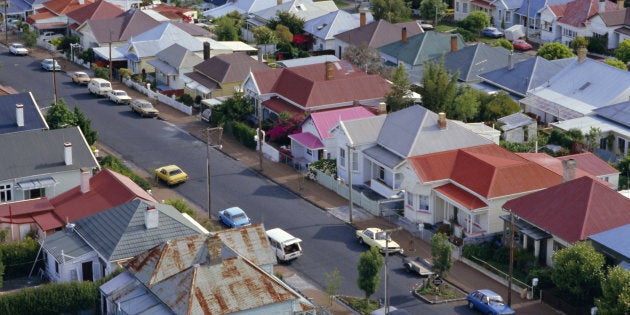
column 219, row 146
column 387, row 236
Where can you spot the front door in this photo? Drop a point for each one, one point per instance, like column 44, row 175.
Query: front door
column 87, row 271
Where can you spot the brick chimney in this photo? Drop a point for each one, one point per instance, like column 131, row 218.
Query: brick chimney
column 581, row 53
column 442, row 120
column 620, row 4
column 19, row 115
column 151, row 217
column 568, row 170
column 602, row 6
column 404, row 35
column 206, row 50
column 453, row 42
column 362, row 19
column 67, row 153
column 330, row 70
column 85, row 181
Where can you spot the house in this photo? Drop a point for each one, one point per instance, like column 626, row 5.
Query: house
column 315, row 142
column 171, row 65
column 25, row 217
column 518, row 128
column 504, row 12
column 199, row 274
column 376, row 34
column 220, row 75
column 312, row 88
column 174, row 13
column 20, row 112
column 252, row 243
column 114, row 31
column 243, row 7
column 414, row 51
column 99, row 9
column 94, row 246
column 559, row 216
column 324, row 28
column 463, row 7
column 565, row 21
column 43, row 163
column 614, row 244
column 613, row 24
column 52, row 15
column 530, row 15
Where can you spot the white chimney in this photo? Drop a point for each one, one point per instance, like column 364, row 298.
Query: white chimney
column 19, row 114
column 442, row 120
column 70, row 227
column 602, row 6
column 151, row 217
column 67, row 153
column 568, row 170
column 85, row 181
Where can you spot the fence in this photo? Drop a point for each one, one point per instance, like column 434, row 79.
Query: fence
column 358, row 196
column 167, row 100
column 498, row 275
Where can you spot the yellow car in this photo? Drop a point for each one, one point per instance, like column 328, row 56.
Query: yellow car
column 80, row 78
column 171, row 174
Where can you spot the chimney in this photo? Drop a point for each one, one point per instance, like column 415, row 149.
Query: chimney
column 620, row 4
column 279, row 2
column 581, row 52
column 85, row 181
column 510, row 61
column 67, row 153
column 151, row 217
column 602, row 6
column 453, row 42
column 362, row 19
column 382, row 108
column 442, row 120
column 206, row 50
column 568, row 170
column 260, row 55
column 404, row 35
column 330, row 70
column 19, row 114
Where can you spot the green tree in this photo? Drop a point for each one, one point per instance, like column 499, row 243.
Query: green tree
column 442, row 253
column 333, row 283
column 466, row 104
column 392, row 11
column 263, row 36
column 428, row 10
column 616, row 63
column 577, row 272
column 615, row 297
column 29, row 37
column 290, row 20
column 475, row 21
column 85, row 125
column 579, row 41
column 497, row 106
column 181, row 205
column 623, row 51
column 370, row 264
column 553, row 51
column 366, row 58
column 504, row 43
column 226, row 32
column 59, row 115
column 398, row 98
column 438, row 86
column 592, row 137
column 283, row 34
column 235, row 108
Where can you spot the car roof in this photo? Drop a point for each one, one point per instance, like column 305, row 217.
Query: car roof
column 374, row 229
column 234, row 210
column 488, row 292
column 80, row 72
column 170, row 167
column 99, row 80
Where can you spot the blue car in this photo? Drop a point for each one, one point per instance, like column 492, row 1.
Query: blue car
column 491, row 32
column 234, row 217
column 488, row 302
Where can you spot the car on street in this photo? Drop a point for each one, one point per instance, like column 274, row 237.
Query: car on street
column 118, row 97
column 491, row 32
column 144, row 108
column 80, row 77
column 488, row 302
column 47, row 64
column 234, row 217
column 521, row 45
column 417, row 265
column 99, row 86
column 374, row 236
column 18, row 49
column 171, row 174
column 425, row 26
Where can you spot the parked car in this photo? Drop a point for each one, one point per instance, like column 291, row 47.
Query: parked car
column 118, row 97
column 18, row 49
column 425, row 26
column 234, row 217
column 99, row 86
column 488, row 302
column 284, row 245
column 171, row 174
column 47, row 64
column 143, row 108
column 521, row 45
column 376, row 237
column 491, row 32
column 80, row 77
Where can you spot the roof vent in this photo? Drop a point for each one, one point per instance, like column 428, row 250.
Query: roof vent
column 70, row 227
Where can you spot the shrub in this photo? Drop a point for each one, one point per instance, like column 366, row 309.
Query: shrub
column 186, row 99
column 125, row 73
column 101, row 72
column 181, row 205
column 467, row 35
column 18, row 257
column 241, row 132
column 114, row 164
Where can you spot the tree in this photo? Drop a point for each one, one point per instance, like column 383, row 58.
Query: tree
column 370, row 264
column 366, row 58
column 577, row 271
column 497, row 106
column 59, row 115
column 392, row 11
column 438, row 87
column 553, row 51
column 264, row 35
column 85, row 125
column 591, row 138
column 290, row 20
column 616, row 63
column 428, row 10
column 623, row 51
column 283, row 34
column 466, row 104
column 398, row 98
column 475, row 21
column 442, row 253
column 615, row 297
column 579, row 41
column 333, row 282
column 226, row 32
column 287, row 124
column 235, row 108
column 504, row 43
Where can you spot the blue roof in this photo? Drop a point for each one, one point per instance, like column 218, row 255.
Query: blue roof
column 536, row 5
column 619, row 113
column 33, row 118
column 617, row 239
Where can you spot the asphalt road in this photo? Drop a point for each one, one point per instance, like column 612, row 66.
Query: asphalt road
column 148, row 143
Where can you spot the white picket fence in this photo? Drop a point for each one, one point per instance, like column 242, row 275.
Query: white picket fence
column 170, row 101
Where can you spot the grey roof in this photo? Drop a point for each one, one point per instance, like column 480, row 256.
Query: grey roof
column 333, row 23
column 303, row 9
column 619, row 113
column 137, row 298
column 509, row 4
column 175, row 57
column 383, row 156
column 363, row 130
column 65, row 246
column 378, row 33
column 123, row 27
column 120, row 232
column 228, row 68
column 42, row 152
column 474, row 60
column 525, row 75
column 422, row 47
column 515, row 120
column 33, row 118
column 297, row 62
column 617, row 240
column 151, row 42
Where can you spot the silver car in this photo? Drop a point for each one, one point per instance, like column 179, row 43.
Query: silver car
column 47, row 64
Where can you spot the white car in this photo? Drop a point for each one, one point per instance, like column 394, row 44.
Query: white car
column 47, row 64
column 118, row 97
column 18, row 49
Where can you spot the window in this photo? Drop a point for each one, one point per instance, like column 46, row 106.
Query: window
column 35, row 193
column 621, row 146
column 508, row 17
column 5, row 193
column 342, row 157
column 465, row 7
column 355, row 161
column 381, row 173
column 56, row 267
column 424, row 202
column 410, row 199
column 557, row 246
column 603, row 143
column 457, row 6
column 309, row 152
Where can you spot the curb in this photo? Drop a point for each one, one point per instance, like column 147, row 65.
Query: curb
column 422, row 298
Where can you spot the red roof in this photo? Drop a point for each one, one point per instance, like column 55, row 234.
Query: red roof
column 108, row 189
column 278, row 106
column 461, row 196
column 573, row 210
column 98, row 10
column 483, row 4
column 324, row 120
column 61, row 7
column 38, row 211
column 586, row 168
column 578, row 12
column 591, row 164
column 308, row 140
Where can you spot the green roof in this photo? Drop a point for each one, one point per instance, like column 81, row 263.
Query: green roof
column 422, row 47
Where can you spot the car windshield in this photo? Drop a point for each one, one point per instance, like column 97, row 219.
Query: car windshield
column 82, row 75
column 381, row 236
column 121, row 93
column 496, row 300
column 17, row 45
column 175, row 172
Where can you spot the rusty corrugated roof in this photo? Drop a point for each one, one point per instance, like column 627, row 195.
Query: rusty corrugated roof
column 251, row 242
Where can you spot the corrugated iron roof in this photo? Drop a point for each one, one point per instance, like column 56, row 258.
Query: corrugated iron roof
column 324, row 120
column 462, row 197
column 100, row 9
column 250, row 242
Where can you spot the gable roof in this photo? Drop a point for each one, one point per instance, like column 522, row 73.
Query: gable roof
column 243, row 7
column 619, row 113
column 173, row 58
column 324, row 120
column 227, row 68
column 363, row 130
column 573, row 210
column 39, row 211
column 536, row 6
column 578, row 12
column 61, row 7
column 378, row 33
column 591, row 164
column 107, row 189
column 33, row 118
column 514, row 121
column 123, row 27
column 297, row 62
column 42, row 152
column 554, row 164
column 251, row 242
column 422, row 47
column 151, row 42
column 303, row 9
column 616, row 17
column 98, row 10
column 333, row 23
column 471, row 61
column 488, row 170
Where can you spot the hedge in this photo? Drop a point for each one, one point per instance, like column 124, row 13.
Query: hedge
column 241, row 132
column 116, row 165
column 18, row 257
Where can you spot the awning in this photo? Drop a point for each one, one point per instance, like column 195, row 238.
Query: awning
column 163, row 67
column 550, row 107
column 37, row 183
column 308, row 140
column 103, row 53
column 526, row 228
column 462, row 197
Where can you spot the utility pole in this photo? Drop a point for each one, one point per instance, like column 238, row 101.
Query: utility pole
column 387, row 236
column 6, row 26
column 511, row 267
column 220, row 146
column 350, row 148
column 527, row 23
column 110, row 55
column 260, row 134
column 54, row 70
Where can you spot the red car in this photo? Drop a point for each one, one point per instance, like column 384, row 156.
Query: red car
column 521, row 45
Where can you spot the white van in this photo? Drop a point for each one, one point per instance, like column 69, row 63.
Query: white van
column 99, row 86
column 284, row 245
